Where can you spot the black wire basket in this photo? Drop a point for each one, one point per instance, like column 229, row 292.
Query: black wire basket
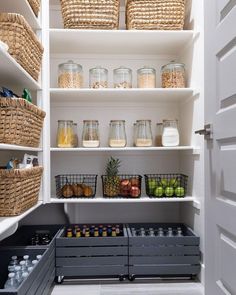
column 76, row 185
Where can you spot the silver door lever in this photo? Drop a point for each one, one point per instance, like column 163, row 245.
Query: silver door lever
column 207, row 131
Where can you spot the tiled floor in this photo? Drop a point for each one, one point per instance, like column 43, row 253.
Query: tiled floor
column 130, row 289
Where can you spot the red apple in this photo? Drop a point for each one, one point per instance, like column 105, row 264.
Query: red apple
column 135, row 191
column 134, row 181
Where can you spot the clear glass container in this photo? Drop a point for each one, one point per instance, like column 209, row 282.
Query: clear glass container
column 75, row 141
column 90, row 137
column 143, row 133
column 122, row 78
column 146, row 77
column 134, row 133
column 170, row 135
column 173, row 75
column 70, row 75
column 159, row 132
column 65, row 134
column 117, row 134
column 98, row 78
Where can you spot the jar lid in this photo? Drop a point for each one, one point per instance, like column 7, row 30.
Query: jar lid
column 146, row 70
column 172, row 65
column 98, row 69
column 67, row 121
column 112, row 121
column 90, row 121
column 143, row 121
column 159, row 124
column 122, row 69
column 70, row 65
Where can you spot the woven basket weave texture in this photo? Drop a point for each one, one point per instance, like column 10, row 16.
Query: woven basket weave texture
column 35, row 4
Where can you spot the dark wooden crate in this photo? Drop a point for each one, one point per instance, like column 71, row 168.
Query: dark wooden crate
column 92, row 256
column 163, row 256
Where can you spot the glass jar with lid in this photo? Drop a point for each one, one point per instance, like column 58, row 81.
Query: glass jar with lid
column 170, row 135
column 173, row 75
column 117, row 134
column 70, row 75
column 65, row 134
column 146, row 77
column 143, row 133
column 98, row 78
column 159, row 134
column 90, row 137
column 122, row 77
column 75, row 141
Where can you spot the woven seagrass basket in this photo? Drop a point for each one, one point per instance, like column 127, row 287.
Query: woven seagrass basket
column 92, row 14
column 35, row 5
column 19, row 190
column 23, row 44
column 21, row 122
column 155, row 14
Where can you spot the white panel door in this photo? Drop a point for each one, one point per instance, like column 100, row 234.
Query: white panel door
column 220, row 160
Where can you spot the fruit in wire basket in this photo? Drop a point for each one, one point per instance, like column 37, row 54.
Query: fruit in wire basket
column 169, row 191
column 152, row 184
column 179, row 191
column 134, row 192
column 112, row 180
column 88, row 191
column 125, row 186
column 159, row 191
column 134, row 181
column 78, row 190
column 67, row 191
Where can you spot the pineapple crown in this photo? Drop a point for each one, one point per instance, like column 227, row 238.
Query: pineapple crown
column 112, row 167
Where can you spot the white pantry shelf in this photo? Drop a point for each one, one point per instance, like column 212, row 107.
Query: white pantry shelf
column 22, row 7
column 59, row 95
column 13, row 147
column 63, row 41
column 13, row 74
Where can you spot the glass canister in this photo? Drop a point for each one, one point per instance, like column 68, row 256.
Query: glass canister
column 70, row 75
column 143, row 133
column 117, row 135
column 173, row 75
column 159, row 132
column 98, row 78
column 146, row 77
column 122, row 77
column 75, row 141
column 134, row 133
column 170, row 135
column 90, row 137
column 65, row 134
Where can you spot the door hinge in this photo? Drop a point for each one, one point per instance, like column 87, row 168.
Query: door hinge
column 207, row 131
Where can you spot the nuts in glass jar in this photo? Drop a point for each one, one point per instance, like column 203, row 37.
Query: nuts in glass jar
column 173, row 75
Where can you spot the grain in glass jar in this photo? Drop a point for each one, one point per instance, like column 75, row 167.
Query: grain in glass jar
column 98, row 78
column 146, row 77
column 170, row 135
column 70, row 75
column 90, row 137
column 173, row 75
column 117, row 134
column 158, row 141
column 65, row 134
column 122, row 77
column 143, row 133
column 75, row 141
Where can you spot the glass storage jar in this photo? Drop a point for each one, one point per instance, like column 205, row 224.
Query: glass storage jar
column 117, row 134
column 159, row 134
column 65, row 134
column 90, row 137
column 134, row 133
column 173, row 75
column 122, row 77
column 143, row 133
column 146, row 77
column 70, row 75
column 170, row 135
column 75, row 141
column 98, row 78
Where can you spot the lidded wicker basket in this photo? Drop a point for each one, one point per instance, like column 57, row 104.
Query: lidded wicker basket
column 90, row 14
column 155, row 14
column 23, row 44
column 35, row 5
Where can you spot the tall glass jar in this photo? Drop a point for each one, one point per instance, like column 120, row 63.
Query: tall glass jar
column 75, row 142
column 159, row 134
column 170, row 135
column 143, row 133
column 70, row 75
column 65, row 134
column 122, row 78
column 134, row 133
column 117, row 134
column 173, row 75
column 146, row 77
column 98, row 78
column 90, row 137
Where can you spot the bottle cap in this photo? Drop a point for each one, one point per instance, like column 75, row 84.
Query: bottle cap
column 34, row 262
column 14, row 257
column 30, row 269
column 22, row 262
column 25, row 274
column 17, row 268
column 11, row 275
column 39, row 257
column 26, row 257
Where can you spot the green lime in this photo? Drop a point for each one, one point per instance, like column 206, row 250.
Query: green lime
column 152, row 184
column 177, row 183
column 172, row 182
column 159, row 191
column 169, row 191
column 179, row 191
column 164, row 182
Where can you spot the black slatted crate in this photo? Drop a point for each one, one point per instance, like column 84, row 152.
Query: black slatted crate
column 154, row 254
column 89, row 257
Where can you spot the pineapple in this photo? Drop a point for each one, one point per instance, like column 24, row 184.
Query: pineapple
column 112, row 180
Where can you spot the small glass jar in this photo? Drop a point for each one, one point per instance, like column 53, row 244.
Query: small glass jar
column 98, row 78
column 146, row 77
column 173, row 75
column 122, row 78
column 75, row 141
column 159, row 134
column 170, row 135
column 65, row 134
column 70, row 75
column 143, row 133
column 90, row 137
column 117, row 135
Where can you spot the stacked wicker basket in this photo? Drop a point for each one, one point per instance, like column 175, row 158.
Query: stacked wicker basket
column 35, row 5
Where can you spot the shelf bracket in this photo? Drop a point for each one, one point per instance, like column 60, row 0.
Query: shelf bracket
column 10, row 231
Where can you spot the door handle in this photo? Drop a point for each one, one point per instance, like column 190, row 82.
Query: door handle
column 207, row 132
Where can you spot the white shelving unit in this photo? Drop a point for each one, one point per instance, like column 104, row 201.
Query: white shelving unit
column 13, row 147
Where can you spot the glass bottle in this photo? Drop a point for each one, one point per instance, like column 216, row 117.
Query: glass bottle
column 98, row 78
column 117, row 135
column 170, row 135
column 122, row 77
column 18, row 274
column 70, row 75
column 173, row 75
column 11, row 282
column 146, row 77
column 144, row 133
column 27, row 261
column 159, row 134
column 90, row 137
column 65, row 134
column 75, row 141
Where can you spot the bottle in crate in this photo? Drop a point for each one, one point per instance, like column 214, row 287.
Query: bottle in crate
column 11, row 282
